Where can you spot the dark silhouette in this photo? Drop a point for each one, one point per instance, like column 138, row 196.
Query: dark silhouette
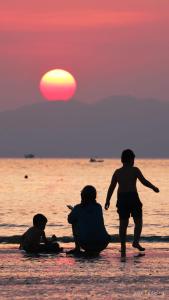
column 29, row 155
column 128, row 202
column 88, row 224
column 31, row 239
column 93, row 159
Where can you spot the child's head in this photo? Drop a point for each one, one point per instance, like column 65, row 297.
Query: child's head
column 39, row 221
column 127, row 157
column 88, row 195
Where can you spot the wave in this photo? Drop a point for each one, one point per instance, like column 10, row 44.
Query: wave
column 15, row 239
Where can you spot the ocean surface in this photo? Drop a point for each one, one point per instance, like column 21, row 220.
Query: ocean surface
column 54, row 183
column 51, row 185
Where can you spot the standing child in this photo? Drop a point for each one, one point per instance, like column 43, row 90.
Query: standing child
column 32, row 238
column 128, row 202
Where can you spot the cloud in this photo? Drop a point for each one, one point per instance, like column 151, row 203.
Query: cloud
column 70, row 20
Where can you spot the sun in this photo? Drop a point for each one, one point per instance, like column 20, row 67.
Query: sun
column 58, row 85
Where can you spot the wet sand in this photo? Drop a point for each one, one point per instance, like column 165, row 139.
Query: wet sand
column 63, row 276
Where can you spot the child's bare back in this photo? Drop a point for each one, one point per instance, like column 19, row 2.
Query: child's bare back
column 126, row 178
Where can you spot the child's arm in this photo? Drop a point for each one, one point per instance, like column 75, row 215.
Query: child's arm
column 145, row 182
column 44, row 239
column 111, row 190
column 72, row 217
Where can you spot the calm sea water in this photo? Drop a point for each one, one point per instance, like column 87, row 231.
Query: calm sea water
column 50, row 186
column 54, row 183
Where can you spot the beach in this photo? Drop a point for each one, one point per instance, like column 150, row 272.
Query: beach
column 51, row 185
column 64, row 276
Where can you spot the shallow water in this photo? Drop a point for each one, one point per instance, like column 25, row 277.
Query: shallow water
column 66, row 277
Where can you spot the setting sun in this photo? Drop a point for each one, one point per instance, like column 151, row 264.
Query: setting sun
column 57, row 85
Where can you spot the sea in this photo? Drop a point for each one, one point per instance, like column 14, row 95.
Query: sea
column 47, row 186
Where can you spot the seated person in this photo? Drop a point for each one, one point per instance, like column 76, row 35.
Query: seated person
column 87, row 224
column 32, row 238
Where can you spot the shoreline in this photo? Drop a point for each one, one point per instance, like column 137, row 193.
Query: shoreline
column 15, row 239
column 64, row 276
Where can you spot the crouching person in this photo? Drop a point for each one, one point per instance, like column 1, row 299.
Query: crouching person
column 88, row 224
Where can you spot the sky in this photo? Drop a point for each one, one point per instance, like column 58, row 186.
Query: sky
column 115, row 47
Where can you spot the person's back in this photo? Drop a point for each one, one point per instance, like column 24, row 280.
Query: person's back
column 31, row 239
column 88, row 224
column 126, row 179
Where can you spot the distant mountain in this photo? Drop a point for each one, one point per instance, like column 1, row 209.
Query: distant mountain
column 75, row 129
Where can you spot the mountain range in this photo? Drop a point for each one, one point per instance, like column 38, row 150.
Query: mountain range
column 75, row 129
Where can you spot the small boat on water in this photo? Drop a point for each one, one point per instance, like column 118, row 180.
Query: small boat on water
column 29, row 155
column 92, row 159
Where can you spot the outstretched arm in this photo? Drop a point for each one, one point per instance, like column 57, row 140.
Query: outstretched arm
column 72, row 217
column 145, row 182
column 111, row 190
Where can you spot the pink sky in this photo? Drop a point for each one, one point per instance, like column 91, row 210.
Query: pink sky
column 111, row 47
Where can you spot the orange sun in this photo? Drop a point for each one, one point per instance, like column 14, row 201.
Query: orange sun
column 57, row 85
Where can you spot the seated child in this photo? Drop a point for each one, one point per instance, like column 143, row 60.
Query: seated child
column 32, row 238
column 87, row 224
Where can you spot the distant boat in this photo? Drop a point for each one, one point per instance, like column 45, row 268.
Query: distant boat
column 92, row 159
column 29, row 155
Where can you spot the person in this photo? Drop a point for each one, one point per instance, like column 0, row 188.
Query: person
column 88, row 224
column 32, row 238
column 128, row 202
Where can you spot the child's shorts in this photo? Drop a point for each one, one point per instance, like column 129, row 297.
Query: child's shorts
column 129, row 204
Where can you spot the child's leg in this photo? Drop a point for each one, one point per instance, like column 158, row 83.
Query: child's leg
column 137, row 229
column 122, row 233
column 138, row 221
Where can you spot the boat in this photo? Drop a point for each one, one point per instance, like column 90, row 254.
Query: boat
column 92, row 159
column 29, row 155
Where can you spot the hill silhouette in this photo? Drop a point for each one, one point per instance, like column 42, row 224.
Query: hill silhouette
column 75, row 129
